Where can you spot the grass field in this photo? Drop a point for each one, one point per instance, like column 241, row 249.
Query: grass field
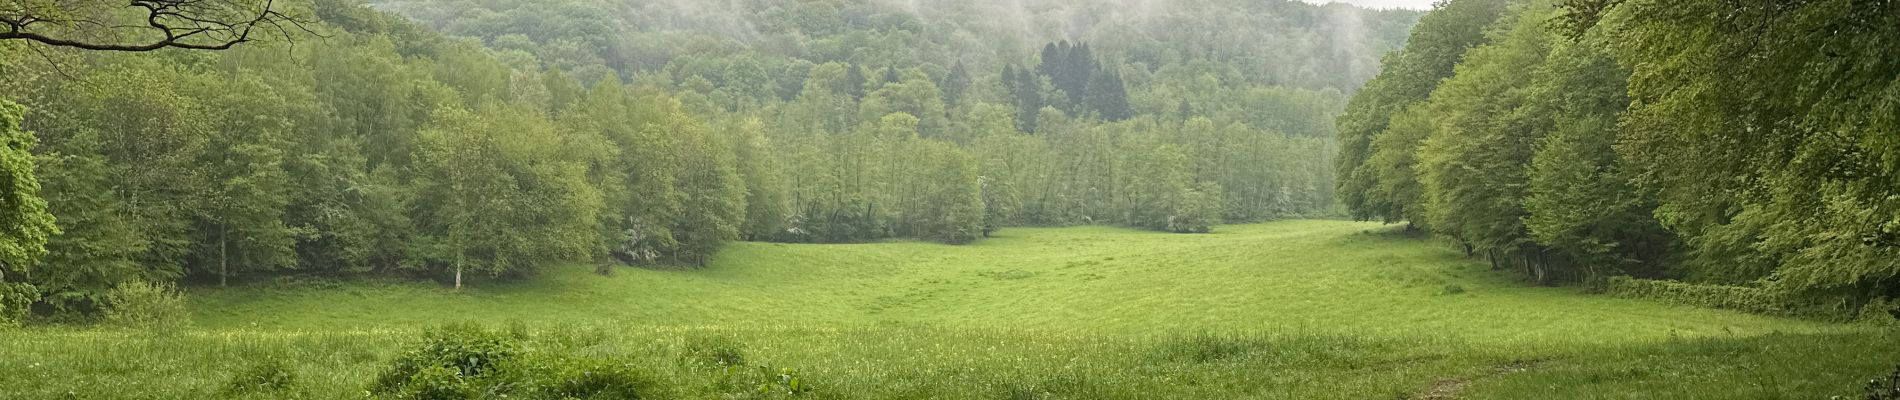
column 1292, row 309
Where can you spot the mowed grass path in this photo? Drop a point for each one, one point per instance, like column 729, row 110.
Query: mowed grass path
column 1291, row 309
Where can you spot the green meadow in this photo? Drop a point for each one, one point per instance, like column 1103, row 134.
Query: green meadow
column 1291, row 309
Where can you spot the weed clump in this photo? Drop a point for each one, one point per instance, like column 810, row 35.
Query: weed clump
column 270, row 376
column 1453, row 290
column 712, row 352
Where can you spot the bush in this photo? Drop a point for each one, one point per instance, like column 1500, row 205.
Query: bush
column 15, row 298
column 589, row 379
column 270, row 376
column 465, row 351
column 142, row 305
column 1887, row 388
column 1739, row 298
column 464, row 361
column 1882, row 311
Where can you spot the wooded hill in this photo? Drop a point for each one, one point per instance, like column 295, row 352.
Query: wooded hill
column 498, row 138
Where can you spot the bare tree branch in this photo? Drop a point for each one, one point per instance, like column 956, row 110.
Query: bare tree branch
column 184, row 24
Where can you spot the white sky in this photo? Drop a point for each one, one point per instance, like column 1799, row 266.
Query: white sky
column 1411, row 4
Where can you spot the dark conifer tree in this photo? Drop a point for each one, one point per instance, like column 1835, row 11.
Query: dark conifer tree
column 956, row 83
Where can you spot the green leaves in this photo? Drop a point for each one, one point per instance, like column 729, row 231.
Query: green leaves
column 25, row 225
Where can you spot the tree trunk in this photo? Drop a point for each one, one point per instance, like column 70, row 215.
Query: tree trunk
column 1493, row 255
column 224, row 258
column 458, row 270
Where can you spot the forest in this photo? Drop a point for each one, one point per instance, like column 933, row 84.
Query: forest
column 1749, row 147
column 494, row 139
column 991, row 199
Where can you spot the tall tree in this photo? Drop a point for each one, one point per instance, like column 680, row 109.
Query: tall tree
column 1408, row 76
column 502, row 199
column 241, row 223
column 1472, row 166
column 24, row 223
column 955, row 84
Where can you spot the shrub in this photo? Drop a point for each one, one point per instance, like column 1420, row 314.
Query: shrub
column 1882, row 311
column 1887, row 388
column 463, row 350
column 267, row 377
column 15, row 298
column 143, row 305
column 1739, row 298
column 591, row 379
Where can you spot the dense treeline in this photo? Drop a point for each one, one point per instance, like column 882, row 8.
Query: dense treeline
column 1706, row 141
column 555, row 134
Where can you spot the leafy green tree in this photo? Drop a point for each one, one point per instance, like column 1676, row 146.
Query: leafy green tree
column 1793, row 156
column 501, row 199
column 120, row 176
column 714, row 192
column 1583, row 202
column 767, row 193
column 1408, row 76
column 1157, row 180
column 24, row 223
column 1472, row 166
column 950, row 200
column 241, row 222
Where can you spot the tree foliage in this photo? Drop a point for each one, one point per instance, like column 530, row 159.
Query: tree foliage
column 468, row 141
column 1733, row 144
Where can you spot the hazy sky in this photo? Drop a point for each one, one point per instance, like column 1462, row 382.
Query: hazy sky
column 1412, row 4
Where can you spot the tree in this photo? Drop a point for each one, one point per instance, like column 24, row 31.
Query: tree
column 501, row 199
column 950, row 199
column 1156, row 183
column 185, row 24
column 1793, row 143
column 954, row 84
column 1472, row 166
column 1407, row 77
column 714, row 191
column 24, row 223
column 1027, row 93
column 242, row 212
column 767, row 194
column 1583, row 202
column 121, row 177
column 1108, row 98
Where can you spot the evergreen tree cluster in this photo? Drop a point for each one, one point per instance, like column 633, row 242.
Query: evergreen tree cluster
column 1070, row 79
